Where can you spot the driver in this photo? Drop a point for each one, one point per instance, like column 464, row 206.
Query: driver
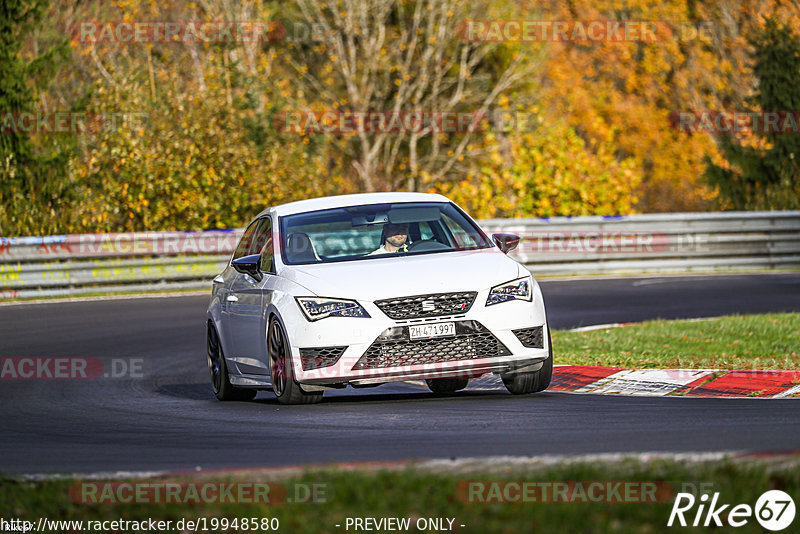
column 395, row 239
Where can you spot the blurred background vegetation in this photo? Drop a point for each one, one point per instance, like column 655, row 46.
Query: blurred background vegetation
column 587, row 128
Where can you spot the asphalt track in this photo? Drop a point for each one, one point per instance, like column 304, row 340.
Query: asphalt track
column 169, row 420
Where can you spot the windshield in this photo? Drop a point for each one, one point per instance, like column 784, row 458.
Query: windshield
column 377, row 231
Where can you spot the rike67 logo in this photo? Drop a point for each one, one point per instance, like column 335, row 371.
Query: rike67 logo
column 774, row 510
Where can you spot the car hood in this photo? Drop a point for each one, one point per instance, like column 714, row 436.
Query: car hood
column 381, row 278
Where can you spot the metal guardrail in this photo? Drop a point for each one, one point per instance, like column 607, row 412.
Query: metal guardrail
column 99, row 263
column 658, row 243
column 662, row 243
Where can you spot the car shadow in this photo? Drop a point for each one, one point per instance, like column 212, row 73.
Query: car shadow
column 202, row 392
column 343, row 397
column 198, row 391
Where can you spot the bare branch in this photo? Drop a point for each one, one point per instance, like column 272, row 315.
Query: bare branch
column 389, row 56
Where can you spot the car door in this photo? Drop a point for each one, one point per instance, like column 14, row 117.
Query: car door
column 233, row 281
column 245, row 300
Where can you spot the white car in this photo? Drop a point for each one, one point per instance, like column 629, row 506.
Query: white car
column 366, row 289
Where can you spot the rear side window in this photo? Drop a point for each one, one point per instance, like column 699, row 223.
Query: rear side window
column 425, row 230
column 244, row 243
column 261, row 235
column 262, row 244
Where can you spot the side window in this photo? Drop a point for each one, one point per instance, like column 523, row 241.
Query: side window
column 261, row 235
column 244, row 242
column 463, row 239
column 425, row 231
column 262, row 244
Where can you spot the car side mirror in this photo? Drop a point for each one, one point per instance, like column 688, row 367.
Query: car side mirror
column 249, row 265
column 506, row 242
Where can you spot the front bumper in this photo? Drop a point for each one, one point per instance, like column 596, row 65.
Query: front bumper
column 500, row 338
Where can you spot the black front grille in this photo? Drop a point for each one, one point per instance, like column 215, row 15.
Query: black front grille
column 530, row 337
column 434, row 305
column 319, row 357
column 394, row 348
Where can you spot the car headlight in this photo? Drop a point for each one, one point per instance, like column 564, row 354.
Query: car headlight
column 519, row 289
column 319, row 308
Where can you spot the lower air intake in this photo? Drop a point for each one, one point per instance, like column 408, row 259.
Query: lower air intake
column 530, row 337
column 319, row 357
column 394, row 348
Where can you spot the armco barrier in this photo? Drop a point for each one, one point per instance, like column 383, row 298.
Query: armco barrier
column 90, row 263
column 79, row 264
column 658, row 243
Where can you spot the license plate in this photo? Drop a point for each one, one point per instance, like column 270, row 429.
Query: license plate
column 423, row 331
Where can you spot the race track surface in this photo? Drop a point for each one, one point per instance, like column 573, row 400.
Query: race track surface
column 169, row 419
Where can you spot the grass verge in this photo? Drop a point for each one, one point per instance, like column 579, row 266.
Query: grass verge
column 736, row 342
column 96, row 295
column 417, row 492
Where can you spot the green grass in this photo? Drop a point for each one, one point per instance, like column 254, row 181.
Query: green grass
column 737, row 342
column 177, row 292
column 414, row 493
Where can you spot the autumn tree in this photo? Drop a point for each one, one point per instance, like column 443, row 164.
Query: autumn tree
column 193, row 141
column 767, row 175
column 33, row 172
column 542, row 167
column 398, row 56
column 626, row 88
column 193, row 148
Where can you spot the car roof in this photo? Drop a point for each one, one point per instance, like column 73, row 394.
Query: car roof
column 359, row 199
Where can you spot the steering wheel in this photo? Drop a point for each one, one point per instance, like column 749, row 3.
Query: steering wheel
column 427, row 244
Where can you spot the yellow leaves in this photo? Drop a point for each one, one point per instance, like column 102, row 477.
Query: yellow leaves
column 618, row 92
column 198, row 154
column 554, row 172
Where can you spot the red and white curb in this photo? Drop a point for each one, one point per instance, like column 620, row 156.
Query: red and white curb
column 661, row 382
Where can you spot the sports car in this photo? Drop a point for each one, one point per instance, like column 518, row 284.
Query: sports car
column 360, row 290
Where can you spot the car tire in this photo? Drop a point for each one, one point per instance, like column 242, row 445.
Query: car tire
column 286, row 389
column 218, row 369
column 443, row 386
column 534, row 381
